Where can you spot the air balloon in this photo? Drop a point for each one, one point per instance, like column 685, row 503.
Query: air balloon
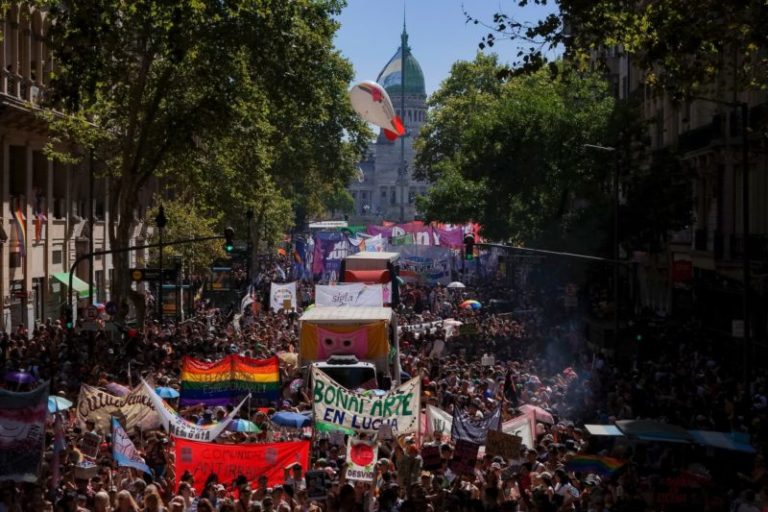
column 372, row 102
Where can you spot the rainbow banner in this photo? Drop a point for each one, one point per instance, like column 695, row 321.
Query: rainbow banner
column 229, row 380
column 601, row 466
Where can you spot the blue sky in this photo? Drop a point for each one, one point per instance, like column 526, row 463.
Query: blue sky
column 438, row 34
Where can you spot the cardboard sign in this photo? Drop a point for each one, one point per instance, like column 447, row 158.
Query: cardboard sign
column 361, row 460
column 431, row 458
column 505, row 445
column 464, row 458
column 317, row 485
column 89, row 445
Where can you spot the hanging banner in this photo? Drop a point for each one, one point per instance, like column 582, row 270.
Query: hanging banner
column 330, row 249
column 375, row 244
column 361, row 460
column 334, row 404
column 416, row 232
column 474, row 429
column 349, row 295
column 281, row 295
column 424, row 264
column 439, row 421
column 135, row 408
column 520, row 426
column 365, row 341
column 22, row 433
column 123, row 450
column 183, row 429
column 228, row 461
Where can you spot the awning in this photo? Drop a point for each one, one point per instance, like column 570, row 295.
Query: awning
column 647, row 430
column 725, row 440
column 80, row 286
column 603, row 430
column 367, row 276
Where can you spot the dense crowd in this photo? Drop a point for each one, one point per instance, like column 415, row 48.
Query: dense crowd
column 534, row 354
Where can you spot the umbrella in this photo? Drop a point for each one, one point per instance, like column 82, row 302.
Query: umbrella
column 20, row 377
column 58, row 404
column 470, row 304
column 290, row 419
column 117, row 389
column 538, row 413
column 164, row 392
column 240, row 425
column 296, row 385
column 455, row 284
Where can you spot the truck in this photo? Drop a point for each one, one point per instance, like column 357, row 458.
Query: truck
column 374, row 268
column 357, row 347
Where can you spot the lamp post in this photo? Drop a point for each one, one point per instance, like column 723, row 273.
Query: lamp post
column 249, row 216
column 160, row 221
column 616, row 317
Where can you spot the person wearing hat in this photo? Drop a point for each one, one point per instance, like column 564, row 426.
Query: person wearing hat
column 295, row 478
column 409, row 464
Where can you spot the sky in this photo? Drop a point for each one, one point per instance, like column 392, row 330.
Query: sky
column 437, row 33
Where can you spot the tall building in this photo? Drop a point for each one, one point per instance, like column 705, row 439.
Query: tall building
column 386, row 189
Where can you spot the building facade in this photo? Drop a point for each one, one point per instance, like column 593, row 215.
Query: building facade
column 386, row 189
column 48, row 215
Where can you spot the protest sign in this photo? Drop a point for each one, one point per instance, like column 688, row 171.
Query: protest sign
column 506, row 445
column 22, row 425
column 336, row 405
column 349, row 295
column 317, row 485
column 431, row 458
column 89, row 444
column 99, row 406
column 361, row 460
column 183, row 429
column 424, row 263
column 464, row 458
column 280, row 293
column 520, row 426
column 439, row 421
column 229, row 461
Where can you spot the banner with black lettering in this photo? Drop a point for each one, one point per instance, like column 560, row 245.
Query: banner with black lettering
column 335, row 405
column 135, row 408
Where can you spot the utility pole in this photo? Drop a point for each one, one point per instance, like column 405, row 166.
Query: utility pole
column 161, row 222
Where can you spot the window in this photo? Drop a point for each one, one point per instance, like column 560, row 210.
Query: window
column 354, row 195
column 411, row 195
column 392, row 195
column 56, row 257
column 383, row 194
column 363, row 195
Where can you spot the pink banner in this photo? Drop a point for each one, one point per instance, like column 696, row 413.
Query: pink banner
column 423, row 234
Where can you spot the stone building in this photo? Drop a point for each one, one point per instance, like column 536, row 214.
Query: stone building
column 386, row 189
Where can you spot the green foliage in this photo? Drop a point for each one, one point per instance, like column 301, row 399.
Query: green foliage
column 338, row 200
column 508, row 152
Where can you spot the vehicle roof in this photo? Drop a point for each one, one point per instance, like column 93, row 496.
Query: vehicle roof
column 389, row 256
column 348, row 314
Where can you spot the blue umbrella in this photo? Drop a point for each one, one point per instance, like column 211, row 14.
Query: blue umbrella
column 241, row 425
column 58, row 404
column 167, row 393
column 290, row 419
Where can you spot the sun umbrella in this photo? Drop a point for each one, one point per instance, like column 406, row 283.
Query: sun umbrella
column 290, row 419
column 456, row 284
column 240, row 425
column 538, row 413
column 117, row 389
column 165, row 392
column 470, row 304
column 296, row 384
column 58, row 404
column 20, row 377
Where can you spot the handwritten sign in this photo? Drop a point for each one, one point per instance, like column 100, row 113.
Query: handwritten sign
column 505, row 445
column 317, row 485
column 431, row 458
column 89, row 445
column 464, row 457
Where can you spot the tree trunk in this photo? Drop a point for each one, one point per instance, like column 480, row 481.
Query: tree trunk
column 120, row 237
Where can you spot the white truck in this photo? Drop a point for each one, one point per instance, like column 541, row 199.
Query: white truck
column 341, row 358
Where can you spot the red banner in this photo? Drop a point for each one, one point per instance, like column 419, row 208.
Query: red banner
column 230, row 460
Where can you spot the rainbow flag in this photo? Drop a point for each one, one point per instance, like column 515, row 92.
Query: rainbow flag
column 602, row 466
column 21, row 229
column 230, row 380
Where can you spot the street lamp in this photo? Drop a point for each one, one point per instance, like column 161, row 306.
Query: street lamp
column 616, row 318
column 161, row 221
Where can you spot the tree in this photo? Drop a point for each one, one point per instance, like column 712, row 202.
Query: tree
column 154, row 86
column 338, row 200
column 682, row 46
column 508, row 152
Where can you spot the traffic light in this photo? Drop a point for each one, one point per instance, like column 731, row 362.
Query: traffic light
column 69, row 318
column 469, row 247
column 229, row 240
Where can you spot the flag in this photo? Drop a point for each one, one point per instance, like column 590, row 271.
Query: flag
column 229, row 380
column 602, row 466
column 22, row 425
column 21, row 229
column 123, row 450
column 471, row 429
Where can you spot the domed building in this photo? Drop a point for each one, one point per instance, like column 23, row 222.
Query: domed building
column 386, row 190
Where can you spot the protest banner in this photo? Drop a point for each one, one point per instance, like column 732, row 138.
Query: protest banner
column 464, row 458
column 280, row 293
column 522, row 427
column 361, row 460
column 431, row 458
column 349, row 295
column 330, row 249
column 183, row 429
column 424, row 264
column 474, row 429
column 229, row 461
column 506, row 445
column 317, row 485
column 334, row 404
column 22, row 425
column 89, row 444
column 439, row 421
column 123, row 450
column 229, row 380
column 99, row 406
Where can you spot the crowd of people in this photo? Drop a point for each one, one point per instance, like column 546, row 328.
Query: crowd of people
column 536, row 354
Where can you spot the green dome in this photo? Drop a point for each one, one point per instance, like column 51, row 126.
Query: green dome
column 391, row 78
